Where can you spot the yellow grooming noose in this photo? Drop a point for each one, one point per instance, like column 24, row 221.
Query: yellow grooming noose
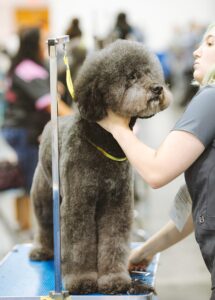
column 105, row 153
column 68, row 75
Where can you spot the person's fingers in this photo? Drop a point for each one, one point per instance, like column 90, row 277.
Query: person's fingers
column 139, row 266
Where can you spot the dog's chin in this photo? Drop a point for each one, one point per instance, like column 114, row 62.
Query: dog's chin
column 144, row 115
column 147, row 117
column 151, row 110
column 157, row 103
column 166, row 99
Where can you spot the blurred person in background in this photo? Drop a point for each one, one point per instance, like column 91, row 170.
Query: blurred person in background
column 189, row 148
column 181, row 47
column 28, row 109
column 76, row 48
column 4, row 67
column 124, row 30
column 190, row 40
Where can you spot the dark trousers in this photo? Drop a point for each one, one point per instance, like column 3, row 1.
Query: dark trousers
column 200, row 179
column 213, row 295
column 27, row 153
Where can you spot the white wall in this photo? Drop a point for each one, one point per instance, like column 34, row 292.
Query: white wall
column 155, row 17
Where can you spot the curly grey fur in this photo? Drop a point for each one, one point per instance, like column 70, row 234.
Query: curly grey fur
column 96, row 192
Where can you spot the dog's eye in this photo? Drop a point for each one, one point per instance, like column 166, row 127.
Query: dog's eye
column 132, row 76
column 147, row 70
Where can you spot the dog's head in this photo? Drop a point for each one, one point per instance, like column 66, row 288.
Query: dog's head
column 124, row 77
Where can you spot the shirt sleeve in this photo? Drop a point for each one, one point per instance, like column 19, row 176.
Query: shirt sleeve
column 199, row 117
column 181, row 208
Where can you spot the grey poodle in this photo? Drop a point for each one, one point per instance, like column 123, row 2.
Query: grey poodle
column 95, row 177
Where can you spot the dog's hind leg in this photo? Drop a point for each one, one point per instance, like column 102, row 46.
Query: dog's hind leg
column 114, row 222
column 41, row 195
column 79, row 242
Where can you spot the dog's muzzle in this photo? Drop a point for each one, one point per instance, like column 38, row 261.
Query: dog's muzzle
column 146, row 117
column 157, row 89
column 156, row 93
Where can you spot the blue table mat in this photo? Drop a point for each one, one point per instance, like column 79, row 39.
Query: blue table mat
column 21, row 277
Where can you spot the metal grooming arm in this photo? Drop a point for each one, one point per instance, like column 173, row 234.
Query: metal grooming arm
column 52, row 48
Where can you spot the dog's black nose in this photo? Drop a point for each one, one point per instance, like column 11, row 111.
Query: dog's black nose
column 157, row 89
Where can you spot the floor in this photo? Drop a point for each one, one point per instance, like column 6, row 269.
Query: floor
column 181, row 273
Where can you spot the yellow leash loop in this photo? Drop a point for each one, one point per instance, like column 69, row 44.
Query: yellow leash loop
column 69, row 77
column 107, row 154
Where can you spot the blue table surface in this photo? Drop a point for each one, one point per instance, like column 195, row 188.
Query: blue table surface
column 20, row 277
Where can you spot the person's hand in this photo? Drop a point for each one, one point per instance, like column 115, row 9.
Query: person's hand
column 138, row 260
column 142, row 266
column 61, row 88
column 113, row 121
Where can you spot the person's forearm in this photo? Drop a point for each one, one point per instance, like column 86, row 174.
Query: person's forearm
column 168, row 236
column 63, row 108
column 178, row 151
column 163, row 239
column 140, row 156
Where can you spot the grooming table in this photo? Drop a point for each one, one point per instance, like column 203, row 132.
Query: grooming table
column 21, row 278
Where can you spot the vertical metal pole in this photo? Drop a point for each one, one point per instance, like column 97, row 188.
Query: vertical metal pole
column 55, row 164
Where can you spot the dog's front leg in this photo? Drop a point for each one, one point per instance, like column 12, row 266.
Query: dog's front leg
column 114, row 222
column 41, row 195
column 78, row 234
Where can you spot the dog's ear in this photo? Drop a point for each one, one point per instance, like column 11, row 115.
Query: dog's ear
column 91, row 102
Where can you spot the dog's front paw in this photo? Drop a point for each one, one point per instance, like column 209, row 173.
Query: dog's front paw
column 81, row 283
column 39, row 253
column 114, row 283
column 138, row 287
